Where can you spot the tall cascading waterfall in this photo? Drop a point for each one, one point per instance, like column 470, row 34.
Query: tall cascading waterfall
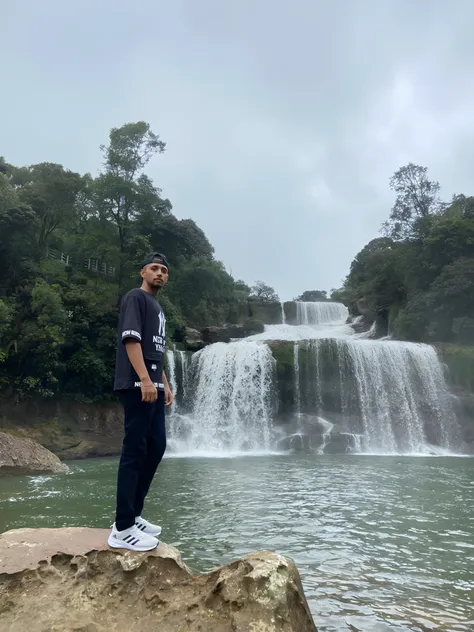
column 374, row 396
column 228, row 406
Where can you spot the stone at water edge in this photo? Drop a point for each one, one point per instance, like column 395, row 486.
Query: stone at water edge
column 26, row 456
column 68, row 580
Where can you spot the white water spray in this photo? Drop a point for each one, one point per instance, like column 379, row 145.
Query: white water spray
column 321, row 313
column 231, row 400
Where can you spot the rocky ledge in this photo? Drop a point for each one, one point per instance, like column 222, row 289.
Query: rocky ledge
column 25, row 456
column 68, row 580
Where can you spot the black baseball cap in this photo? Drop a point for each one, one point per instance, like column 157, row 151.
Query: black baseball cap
column 155, row 257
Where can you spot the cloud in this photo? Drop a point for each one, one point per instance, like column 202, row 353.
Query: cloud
column 283, row 122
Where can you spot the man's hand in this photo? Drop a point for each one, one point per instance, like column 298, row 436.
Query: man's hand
column 169, row 397
column 149, row 392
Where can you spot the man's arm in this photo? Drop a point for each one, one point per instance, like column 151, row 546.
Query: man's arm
column 135, row 355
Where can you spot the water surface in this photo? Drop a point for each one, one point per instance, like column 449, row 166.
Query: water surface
column 381, row 543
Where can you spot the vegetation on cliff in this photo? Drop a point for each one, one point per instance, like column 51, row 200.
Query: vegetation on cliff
column 418, row 278
column 70, row 247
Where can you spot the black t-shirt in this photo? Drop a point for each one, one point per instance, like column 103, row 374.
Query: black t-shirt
column 141, row 318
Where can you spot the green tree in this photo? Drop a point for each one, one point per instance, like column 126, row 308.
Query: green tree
column 263, row 292
column 123, row 191
column 312, row 296
column 51, row 191
column 417, row 199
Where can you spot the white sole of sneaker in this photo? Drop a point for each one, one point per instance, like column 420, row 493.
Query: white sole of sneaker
column 120, row 544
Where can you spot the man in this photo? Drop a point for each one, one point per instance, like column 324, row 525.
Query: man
column 144, row 391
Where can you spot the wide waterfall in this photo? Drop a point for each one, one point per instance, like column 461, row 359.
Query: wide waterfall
column 324, row 313
column 342, row 392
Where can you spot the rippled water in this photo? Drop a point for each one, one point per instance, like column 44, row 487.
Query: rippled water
column 382, row 543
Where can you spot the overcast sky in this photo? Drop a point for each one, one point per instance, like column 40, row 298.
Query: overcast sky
column 284, row 119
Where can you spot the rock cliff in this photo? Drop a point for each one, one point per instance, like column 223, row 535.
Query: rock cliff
column 68, row 580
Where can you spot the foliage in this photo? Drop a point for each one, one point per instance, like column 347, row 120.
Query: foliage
column 312, row 296
column 420, row 275
column 71, row 246
column 416, row 202
column 263, row 292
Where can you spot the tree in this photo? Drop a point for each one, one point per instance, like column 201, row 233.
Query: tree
column 312, row 296
column 263, row 292
column 179, row 239
column 241, row 290
column 417, row 200
column 123, row 192
column 18, row 245
column 451, row 299
column 8, row 196
column 51, row 191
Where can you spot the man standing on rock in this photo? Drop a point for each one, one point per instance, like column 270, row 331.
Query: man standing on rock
column 144, row 391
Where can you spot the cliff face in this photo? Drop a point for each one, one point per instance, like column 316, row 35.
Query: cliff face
column 68, row 580
column 69, row 429
column 459, row 363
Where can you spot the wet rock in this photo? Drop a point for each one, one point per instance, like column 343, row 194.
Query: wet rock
column 193, row 339
column 69, row 580
column 250, row 326
column 25, row 456
column 210, row 335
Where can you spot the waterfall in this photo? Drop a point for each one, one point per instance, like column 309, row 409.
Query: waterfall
column 229, row 407
column 374, row 396
column 327, row 427
column 393, row 393
column 171, row 373
column 296, row 365
column 309, row 313
column 183, row 364
column 283, row 315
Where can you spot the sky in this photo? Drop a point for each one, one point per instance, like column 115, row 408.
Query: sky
column 284, row 121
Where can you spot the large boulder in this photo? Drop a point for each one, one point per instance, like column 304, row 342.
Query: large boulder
column 69, row 580
column 25, row 456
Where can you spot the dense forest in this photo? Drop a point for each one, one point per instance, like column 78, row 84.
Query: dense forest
column 70, row 247
column 417, row 279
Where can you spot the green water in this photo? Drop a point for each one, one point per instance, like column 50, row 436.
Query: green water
column 382, row 543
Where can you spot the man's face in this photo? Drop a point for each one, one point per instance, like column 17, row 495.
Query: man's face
column 155, row 274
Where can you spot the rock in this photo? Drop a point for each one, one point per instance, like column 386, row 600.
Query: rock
column 210, row 335
column 253, row 326
column 67, row 580
column 25, row 456
column 296, row 442
column 340, row 443
column 367, row 308
column 268, row 313
column 193, row 340
column 250, row 326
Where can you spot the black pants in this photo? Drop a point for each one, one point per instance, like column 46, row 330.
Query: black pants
column 143, row 447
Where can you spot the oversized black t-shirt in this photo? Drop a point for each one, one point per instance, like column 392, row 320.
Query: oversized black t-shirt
column 141, row 318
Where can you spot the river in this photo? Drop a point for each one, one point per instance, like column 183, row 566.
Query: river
column 381, row 542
